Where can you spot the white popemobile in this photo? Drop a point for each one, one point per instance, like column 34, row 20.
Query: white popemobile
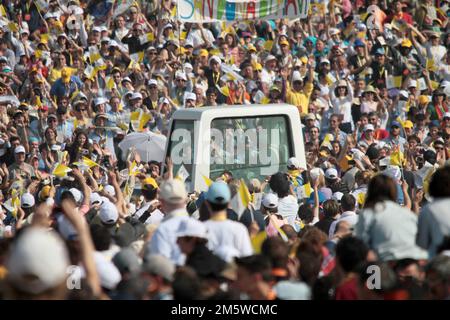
column 250, row 141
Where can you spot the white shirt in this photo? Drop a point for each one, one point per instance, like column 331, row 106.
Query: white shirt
column 227, row 233
column 390, row 230
column 164, row 240
column 195, row 37
column 156, row 215
column 349, row 216
column 288, row 208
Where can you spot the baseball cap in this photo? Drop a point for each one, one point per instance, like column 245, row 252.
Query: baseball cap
column 19, row 149
column 337, row 196
column 173, row 191
column 38, row 261
column 127, row 261
column 136, row 95
column 284, row 42
column 44, row 193
column 190, row 96
column 368, row 127
column 65, row 75
column 408, row 124
column 27, row 200
column 95, row 198
column 296, row 76
column 214, row 58
column 359, row 43
column 270, row 200
column 108, row 213
column 293, row 162
column 380, row 52
column 152, row 82
column 269, row 58
column 100, row 100
column 396, row 124
column 203, row 53
column 126, row 79
column 192, row 228
column 406, row 43
column 331, row 174
column 159, row 265
column 310, row 116
column 180, row 75
column 218, row 193
column 149, row 183
column 446, row 115
column 423, row 99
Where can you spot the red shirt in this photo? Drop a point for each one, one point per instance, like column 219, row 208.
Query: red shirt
column 347, row 290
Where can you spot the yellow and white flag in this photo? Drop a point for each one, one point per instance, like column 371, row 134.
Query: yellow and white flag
column 61, row 171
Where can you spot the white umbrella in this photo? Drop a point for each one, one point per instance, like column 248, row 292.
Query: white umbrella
column 149, row 145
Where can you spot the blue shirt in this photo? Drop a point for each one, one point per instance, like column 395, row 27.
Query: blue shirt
column 59, row 89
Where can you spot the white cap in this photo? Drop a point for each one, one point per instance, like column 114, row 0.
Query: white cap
column 315, row 173
column 107, row 271
column 77, row 195
column 331, row 173
column 293, row 162
column 404, row 93
column 95, row 197
column 180, row 75
column 296, row 76
column 337, row 196
column 109, row 189
column 447, row 115
column 100, row 100
column 152, row 82
column 369, row 127
column 108, row 213
column 164, row 100
column 190, row 96
column 136, row 95
column 173, row 191
column 215, row 58
column 270, row 200
column 192, row 228
column 38, row 261
column 49, row 15
column 96, row 29
column 126, row 79
column 187, row 65
column 325, row 60
column 269, row 58
column 106, row 39
column 412, row 84
column 334, row 31
column 167, row 26
column 19, row 149
column 103, row 28
column 27, row 200
column 65, row 228
column 113, row 43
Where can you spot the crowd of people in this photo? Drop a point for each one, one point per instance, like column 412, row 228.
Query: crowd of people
column 371, row 82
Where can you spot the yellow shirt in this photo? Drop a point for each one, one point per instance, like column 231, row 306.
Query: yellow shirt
column 300, row 99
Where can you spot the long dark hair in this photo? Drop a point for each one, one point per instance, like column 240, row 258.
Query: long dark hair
column 381, row 188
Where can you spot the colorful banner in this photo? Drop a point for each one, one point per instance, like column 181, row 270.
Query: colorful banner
column 231, row 10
